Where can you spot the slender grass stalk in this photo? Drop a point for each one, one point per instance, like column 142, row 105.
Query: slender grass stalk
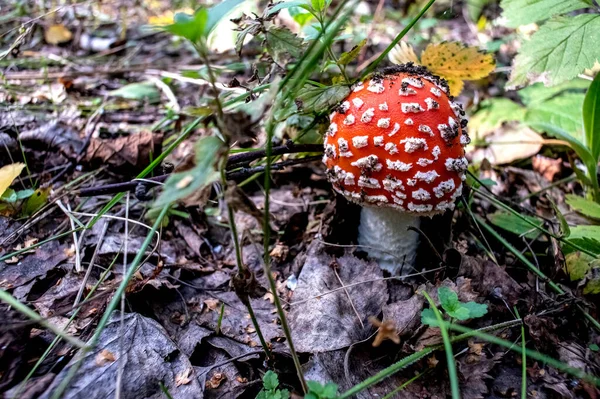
column 523, row 359
column 58, row 393
column 23, row 309
column 372, row 66
column 407, row 383
column 447, row 347
column 37, row 244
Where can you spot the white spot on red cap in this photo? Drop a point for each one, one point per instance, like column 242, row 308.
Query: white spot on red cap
column 445, row 205
column 416, row 82
column 333, row 128
column 395, row 130
column 391, row 148
column 378, row 141
column 376, row 86
column 349, row 179
column 431, row 104
column 357, row 102
column 400, row 194
column 421, row 208
column 330, row 151
column 368, row 182
column 398, row 165
column 376, row 198
column 407, row 91
column 368, row 163
column 411, row 182
column 412, row 144
column 398, row 201
column 349, row 120
column 344, row 107
column 409, row 122
column 465, row 139
column 383, row 106
column 427, row 177
column 458, row 192
column 444, row 187
column 368, row 115
column 456, row 164
column 359, row 86
column 344, row 149
column 425, row 129
column 424, row 161
column 383, row 122
column 436, row 152
column 421, row 195
column 392, row 184
column 411, row 107
column 360, row 141
column 436, row 92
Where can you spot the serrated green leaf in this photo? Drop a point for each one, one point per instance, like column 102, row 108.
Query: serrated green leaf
column 538, row 93
column 584, row 206
column 270, row 380
column 448, row 299
column 514, row 224
column 460, row 313
column 578, row 265
column 208, row 151
column 349, row 56
column 475, row 309
column 144, row 91
column 563, row 47
column 563, row 111
column 276, row 7
column 281, row 43
column 428, row 317
column 523, row 12
column 315, row 387
column 492, row 114
column 320, row 99
column 591, row 117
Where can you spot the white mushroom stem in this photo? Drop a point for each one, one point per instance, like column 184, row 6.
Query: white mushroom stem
column 385, row 236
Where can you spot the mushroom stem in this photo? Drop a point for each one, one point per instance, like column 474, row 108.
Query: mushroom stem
column 385, row 232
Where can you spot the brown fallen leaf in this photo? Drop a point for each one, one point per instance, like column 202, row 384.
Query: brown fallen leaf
column 216, row 380
column 104, row 356
column 387, row 330
column 129, row 151
column 183, row 378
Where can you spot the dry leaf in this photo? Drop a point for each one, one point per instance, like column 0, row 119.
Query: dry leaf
column 457, row 63
column 183, row 378
column 57, row 34
column 9, row 173
column 509, row 144
column 104, row 356
column 403, row 53
column 134, row 150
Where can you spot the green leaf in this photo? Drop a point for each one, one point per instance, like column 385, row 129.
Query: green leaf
column 428, row 317
column 537, row 92
column 578, row 265
column 318, row 5
column 217, row 12
column 349, row 56
column 275, row 8
column 474, row 8
column 475, row 309
column 448, row 299
column 563, row 111
column 589, row 244
column 492, row 114
column 514, row 224
column 270, row 380
column 320, row 99
column 315, row 387
column 329, row 391
column 281, row 43
column 565, row 231
column 559, row 133
column 144, row 91
column 190, row 27
column 563, row 47
column 591, row 117
column 593, row 285
column 523, row 12
column 460, row 313
column 36, row 201
column 584, row 206
column 208, row 152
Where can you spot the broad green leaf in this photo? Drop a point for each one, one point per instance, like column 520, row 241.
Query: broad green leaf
column 563, row 111
column 492, row 114
column 561, row 49
column 523, row 12
column 301, row 15
column 513, row 223
column 448, row 299
column 349, row 56
column 320, row 99
column 589, row 244
column 578, row 265
column 191, row 27
column 275, row 8
column 144, row 91
column 329, row 391
column 593, row 285
column 475, row 309
column 281, row 43
column 428, row 317
column 9, row 173
column 12, row 196
column 538, row 93
column 318, row 5
column 217, row 12
column 582, row 231
column 584, row 206
column 208, row 151
column 591, row 117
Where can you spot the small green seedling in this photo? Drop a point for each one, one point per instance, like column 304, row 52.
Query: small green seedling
column 270, row 390
column 318, row 391
column 454, row 308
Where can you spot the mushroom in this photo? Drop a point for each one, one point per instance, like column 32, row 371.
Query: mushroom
column 395, row 146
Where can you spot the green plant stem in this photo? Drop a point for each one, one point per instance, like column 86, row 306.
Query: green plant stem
column 404, row 385
column 58, row 393
column 523, row 359
column 533, row 268
column 447, row 347
column 23, row 309
column 396, row 367
column 372, row 66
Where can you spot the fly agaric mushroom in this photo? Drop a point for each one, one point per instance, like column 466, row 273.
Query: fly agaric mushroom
column 396, row 146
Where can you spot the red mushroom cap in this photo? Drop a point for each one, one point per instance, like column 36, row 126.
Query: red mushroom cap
column 398, row 140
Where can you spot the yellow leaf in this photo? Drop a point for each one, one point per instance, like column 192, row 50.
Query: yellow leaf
column 456, row 62
column 403, row 53
column 57, row 34
column 168, row 17
column 9, row 173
